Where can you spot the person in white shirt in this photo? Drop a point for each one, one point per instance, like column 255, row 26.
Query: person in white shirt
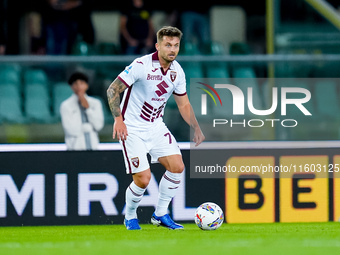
column 138, row 124
column 81, row 116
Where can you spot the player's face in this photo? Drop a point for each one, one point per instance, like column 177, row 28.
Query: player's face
column 168, row 48
column 79, row 87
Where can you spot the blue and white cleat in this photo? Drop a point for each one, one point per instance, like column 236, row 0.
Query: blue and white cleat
column 165, row 221
column 132, row 224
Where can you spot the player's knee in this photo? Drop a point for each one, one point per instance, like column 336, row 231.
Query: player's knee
column 144, row 182
column 142, row 179
column 177, row 168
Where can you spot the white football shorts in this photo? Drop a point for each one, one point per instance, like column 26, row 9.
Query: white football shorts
column 158, row 142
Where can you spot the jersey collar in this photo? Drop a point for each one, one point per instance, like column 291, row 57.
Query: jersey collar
column 157, row 64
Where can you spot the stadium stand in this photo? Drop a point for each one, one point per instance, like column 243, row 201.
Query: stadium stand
column 239, row 48
column 228, row 25
column 107, row 114
column 213, row 48
column 189, row 48
column 35, row 76
column 10, row 91
column 193, row 70
column 81, row 48
column 37, row 103
column 105, row 49
column 10, row 75
column 60, row 92
column 326, row 96
column 106, row 27
column 11, row 104
column 23, row 100
column 159, row 19
column 217, row 70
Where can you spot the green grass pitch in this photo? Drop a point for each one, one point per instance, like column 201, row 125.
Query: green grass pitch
column 254, row 239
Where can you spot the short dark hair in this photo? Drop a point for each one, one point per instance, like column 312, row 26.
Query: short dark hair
column 168, row 31
column 77, row 76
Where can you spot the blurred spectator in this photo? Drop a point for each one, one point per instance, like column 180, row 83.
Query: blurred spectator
column 63, row 21
column 195, row 23
column 136, row 28
column 82, row 15
column 36, row 43
column 81, row 116
column 3, row 26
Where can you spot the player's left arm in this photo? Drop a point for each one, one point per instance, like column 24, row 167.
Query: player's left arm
column 188, row 115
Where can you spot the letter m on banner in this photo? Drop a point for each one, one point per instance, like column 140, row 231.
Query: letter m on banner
column 34, row 186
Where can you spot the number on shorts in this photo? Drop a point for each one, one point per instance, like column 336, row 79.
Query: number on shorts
column 168, row 134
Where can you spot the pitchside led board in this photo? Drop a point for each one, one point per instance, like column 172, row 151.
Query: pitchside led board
column 270, row 185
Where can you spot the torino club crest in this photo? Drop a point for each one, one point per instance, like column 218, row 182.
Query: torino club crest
column 173, row 76
column 135, row 162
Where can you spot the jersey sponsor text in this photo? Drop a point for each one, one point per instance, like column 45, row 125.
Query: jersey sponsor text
column 154, row 77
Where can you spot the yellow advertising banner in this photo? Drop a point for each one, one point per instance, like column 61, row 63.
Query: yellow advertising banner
column 250, row 196
column 304, row 191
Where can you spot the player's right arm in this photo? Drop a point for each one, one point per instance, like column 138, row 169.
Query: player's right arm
column 113, row 96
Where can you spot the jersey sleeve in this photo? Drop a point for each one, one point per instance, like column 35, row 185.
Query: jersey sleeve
column 132, row 73
column 181, row 87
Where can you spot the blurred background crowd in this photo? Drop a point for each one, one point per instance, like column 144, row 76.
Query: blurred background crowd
column 36, row 27
column 111, row 31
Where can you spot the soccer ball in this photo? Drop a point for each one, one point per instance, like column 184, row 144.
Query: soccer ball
column 209, row 216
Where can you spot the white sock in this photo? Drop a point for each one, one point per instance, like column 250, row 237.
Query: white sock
column 133, row 196
column 167, row 190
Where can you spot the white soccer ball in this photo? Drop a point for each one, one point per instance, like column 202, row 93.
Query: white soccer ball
column 209, row 216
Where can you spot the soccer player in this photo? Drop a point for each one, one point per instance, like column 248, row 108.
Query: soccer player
column 147, row 84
